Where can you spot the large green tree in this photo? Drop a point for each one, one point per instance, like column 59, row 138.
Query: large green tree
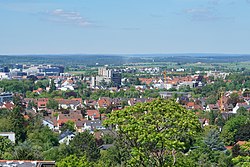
column 52, row 104
column 241, row 161
column 74, row 161
column 84, row 144
column 213, row 141
column 18, row 123
column 6, row 147
column 26, row 151
column 43, row 137
column 69, row 125
column 234, row 130
column 152, row 133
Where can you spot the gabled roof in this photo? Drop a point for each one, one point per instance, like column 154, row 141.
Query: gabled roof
column 90, row 102
column 48, row 121
column 213, row 106
column 104, row 102
column 8, row 105
column 198, row 107
column 148, row 81
column 39, row 90
column 72, row 116
column 43, row 100
column 241, row 142
column 65, row 134
column 81, row 123
column 93, row 113
column 190, row 104
column 95, row 124
column 105, row 146
column 69, row 101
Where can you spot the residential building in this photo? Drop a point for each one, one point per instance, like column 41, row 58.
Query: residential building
column 42, row 103
column 7, row 105
column 66, row 136
column 9, row 135
column 92, row 114
column 5, row 97
column 93, row 125
column 26, row 163
column 48, row 123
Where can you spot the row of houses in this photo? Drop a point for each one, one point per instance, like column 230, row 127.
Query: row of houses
column 41, row 103
column 174, row 82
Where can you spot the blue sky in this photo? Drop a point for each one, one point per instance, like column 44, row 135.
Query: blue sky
column 124, row 26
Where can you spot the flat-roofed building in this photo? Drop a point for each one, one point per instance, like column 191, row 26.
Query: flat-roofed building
column 5, row 97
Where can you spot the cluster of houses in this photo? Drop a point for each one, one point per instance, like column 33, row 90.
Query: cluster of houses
column 63, row 83
column 173, row 82
column 89, row 114
column 86, row 115
column 6, row 100
column 224, row 105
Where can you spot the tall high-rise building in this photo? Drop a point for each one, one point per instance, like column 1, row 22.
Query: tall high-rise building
column 107, row 75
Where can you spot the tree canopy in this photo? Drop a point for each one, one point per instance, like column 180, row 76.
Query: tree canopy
column 232, row 131
column 84, row 144
column 154, row 132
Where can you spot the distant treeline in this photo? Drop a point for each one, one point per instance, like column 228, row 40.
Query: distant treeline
column 90, row 60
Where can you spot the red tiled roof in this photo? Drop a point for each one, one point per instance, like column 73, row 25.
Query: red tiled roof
column 69, row 101
column 80, row 123
column 93, row 113
column 42, row 102
column 198, row 107
column 72, row 116
column 229, row 147
column 104, row 102
column 26, row 117
column 8, row 105
column 241, row 142
column 190, row 104
column 146, row 80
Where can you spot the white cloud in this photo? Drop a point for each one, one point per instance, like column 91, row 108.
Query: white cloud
column 214, row 2
column 197, row 11
column 68, row 17
column 204, row 14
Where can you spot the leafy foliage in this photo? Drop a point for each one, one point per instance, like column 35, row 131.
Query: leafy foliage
column 18, row 123
column 43, row 137
column 152, row 132
column 231, row 131
column 69, row 125
column 84, row 144
column 74, row 161
column 52, row 104
column 242, row 161
column 26, row 151
column 6, row 147
column 16, row 85
column 212, row 140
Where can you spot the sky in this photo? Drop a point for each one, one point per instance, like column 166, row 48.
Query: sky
column 124, row 26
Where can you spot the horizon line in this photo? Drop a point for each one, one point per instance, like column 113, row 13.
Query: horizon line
column 122, row 54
